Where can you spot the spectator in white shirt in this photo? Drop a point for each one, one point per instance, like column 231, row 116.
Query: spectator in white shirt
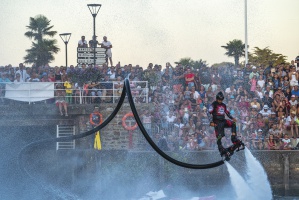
column 107, row 45
column 18, row 79
column 82, row 43
column 265, row 111
column 22, row 72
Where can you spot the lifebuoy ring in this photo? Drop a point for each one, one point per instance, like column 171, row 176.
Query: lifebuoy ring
column 129, row 128
column 99, row 115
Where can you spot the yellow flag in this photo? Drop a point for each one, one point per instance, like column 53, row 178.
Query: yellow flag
column 97, row 141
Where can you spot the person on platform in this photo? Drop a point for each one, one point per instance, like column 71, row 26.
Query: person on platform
column 107, row 45
column 82, row 43
column 218, row 111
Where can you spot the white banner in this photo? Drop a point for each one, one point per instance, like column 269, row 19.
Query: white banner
column 30, row 92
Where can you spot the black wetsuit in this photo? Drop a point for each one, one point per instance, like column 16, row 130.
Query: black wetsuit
column 218, row 112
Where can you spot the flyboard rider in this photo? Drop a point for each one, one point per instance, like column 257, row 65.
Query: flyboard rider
column 217, row 112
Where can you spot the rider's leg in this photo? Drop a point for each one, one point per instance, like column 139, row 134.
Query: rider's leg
column 234, row 138
column 219, row 131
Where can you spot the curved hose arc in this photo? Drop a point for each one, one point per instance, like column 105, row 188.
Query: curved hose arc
column 154, row 146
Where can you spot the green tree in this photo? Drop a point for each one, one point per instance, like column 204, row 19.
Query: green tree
column 42, row 49
column 263, row 57
column 223, row 64
column 191, row 63
column 236, row 49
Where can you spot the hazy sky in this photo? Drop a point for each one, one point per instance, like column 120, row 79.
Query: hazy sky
column 143, row 31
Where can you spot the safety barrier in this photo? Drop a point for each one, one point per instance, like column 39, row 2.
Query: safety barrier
column 108, row 92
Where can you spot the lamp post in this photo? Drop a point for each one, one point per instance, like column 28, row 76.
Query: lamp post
column 94, row 9
column 65, row 38
column 246, row 36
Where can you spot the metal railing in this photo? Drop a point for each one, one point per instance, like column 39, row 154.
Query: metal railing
column 31, row 92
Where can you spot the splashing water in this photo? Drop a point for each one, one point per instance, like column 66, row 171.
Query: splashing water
column 242, row 189
column 257, row 177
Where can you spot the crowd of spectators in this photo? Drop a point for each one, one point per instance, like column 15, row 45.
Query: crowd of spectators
column 264, row 100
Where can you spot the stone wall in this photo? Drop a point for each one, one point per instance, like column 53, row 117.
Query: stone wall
column 114, row 136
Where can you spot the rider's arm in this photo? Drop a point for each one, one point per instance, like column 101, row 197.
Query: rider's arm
column 210, row 115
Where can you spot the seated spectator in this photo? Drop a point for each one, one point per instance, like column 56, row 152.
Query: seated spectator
column 271, row 143
column 286, row 142
column 118, row 86
column 259, row 93
column 267, row 100
column 293, row 101
column 255, row 104
column 258, row 140
column 60, row 99
column 265, row 111
column 279, row 92
column 291, row 124
column 3, row 80
column 295, row 91
column 260, row 121
column 231, row 91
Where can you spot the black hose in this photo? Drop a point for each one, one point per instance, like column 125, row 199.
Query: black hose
column 155, row 147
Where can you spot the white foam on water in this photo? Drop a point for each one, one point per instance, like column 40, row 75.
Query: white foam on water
column 242, row 189
column 257, row 177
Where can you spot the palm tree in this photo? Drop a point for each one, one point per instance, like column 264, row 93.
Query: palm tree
column 236, row 49
column 186, row 62
column 41, row 51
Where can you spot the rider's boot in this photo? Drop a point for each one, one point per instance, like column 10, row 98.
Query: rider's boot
column 236, row 143
column 222, row 150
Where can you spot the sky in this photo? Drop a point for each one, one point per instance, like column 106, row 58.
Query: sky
column 144, row 31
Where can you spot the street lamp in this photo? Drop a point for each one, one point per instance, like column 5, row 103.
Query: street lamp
column 246, row 35
column 65, row 38
column 94, row 9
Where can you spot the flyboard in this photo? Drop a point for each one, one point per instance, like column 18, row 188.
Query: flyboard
column 231, row 150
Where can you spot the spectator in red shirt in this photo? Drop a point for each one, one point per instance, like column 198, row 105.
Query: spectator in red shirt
column 189, row 78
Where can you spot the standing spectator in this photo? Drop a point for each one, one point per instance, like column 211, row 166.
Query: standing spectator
column 93, row 43
column 189, row 78
column 107, row 45
column 215, row 78
column 239, row 80
column 18, row 79
column 261, row 82
column 68, row 90
column 82, row 43
column 252, row 82
column 3, row 80
column 178, row 78
column 22, row 72
column 293, row 77
column 146, row 118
